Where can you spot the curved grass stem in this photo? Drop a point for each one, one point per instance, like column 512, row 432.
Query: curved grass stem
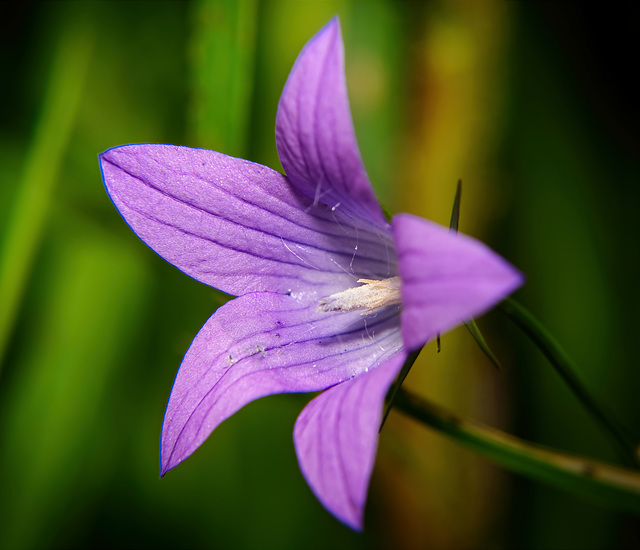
column 610, row 485
column 567, row 370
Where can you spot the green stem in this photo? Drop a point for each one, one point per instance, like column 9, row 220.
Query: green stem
column 565, row 367
column 611, row 485
column 393, row 390
column 474, row 330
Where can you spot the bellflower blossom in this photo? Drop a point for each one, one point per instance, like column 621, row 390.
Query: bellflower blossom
column 330, row 296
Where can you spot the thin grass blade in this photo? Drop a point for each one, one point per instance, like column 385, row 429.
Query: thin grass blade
column 472, row 327
column 567, row 370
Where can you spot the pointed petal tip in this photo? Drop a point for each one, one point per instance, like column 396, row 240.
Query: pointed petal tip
column 110, row 151
column 170, row 462
column 336, row 439
column 332, row 25
column 315, row 137
column 356, row 522
column 165, row 465
column 447, row 278
column 164, row 469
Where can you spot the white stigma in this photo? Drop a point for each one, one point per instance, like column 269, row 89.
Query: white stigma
column 369, row 297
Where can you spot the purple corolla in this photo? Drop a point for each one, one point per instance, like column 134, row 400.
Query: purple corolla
column 330, row 296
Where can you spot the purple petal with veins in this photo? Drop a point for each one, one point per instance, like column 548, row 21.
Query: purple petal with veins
column 265, row 343
column 239, row 226
column 314, row 132
column 336, row 438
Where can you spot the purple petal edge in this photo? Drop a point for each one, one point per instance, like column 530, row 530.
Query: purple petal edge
column 336, row 439
column 447, row 278
column 236, row 225
column 314, row 132
column 261, row 344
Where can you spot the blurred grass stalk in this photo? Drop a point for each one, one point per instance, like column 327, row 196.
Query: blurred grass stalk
column 610, row 485
column 222, row 66
column 26, row 220
column 55, row 432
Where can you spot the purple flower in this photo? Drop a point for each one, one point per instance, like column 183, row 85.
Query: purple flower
column 329, row 295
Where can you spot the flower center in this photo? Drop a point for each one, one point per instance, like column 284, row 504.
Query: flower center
column 369, row 297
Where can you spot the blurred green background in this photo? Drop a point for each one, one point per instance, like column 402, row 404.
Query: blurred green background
column 531, row 104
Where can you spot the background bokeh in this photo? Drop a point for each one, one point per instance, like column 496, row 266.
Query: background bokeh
column 532, row 104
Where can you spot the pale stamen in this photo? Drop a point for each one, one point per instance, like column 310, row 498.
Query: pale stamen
column 369, row 297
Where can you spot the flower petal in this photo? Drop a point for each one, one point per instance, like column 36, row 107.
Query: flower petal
column 265, row 343
column 447, row 278
column 239, row 226
column 314, row 132
column 336, row 438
